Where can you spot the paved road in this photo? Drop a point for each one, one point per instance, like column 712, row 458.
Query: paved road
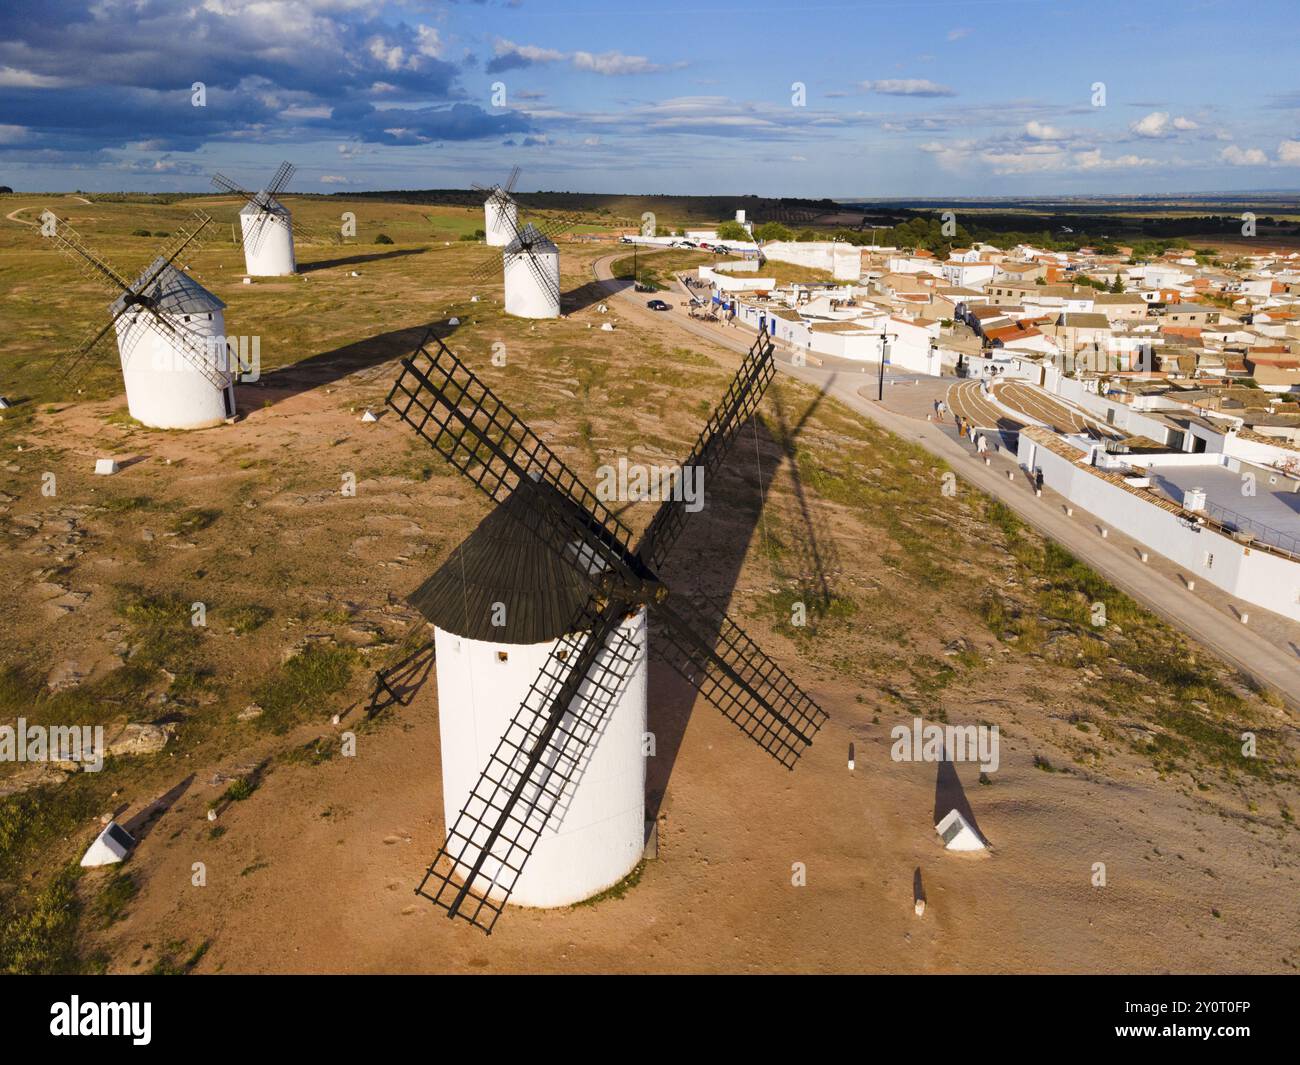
column 1274, row 665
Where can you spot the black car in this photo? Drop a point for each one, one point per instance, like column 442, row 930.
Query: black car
column 657, row 305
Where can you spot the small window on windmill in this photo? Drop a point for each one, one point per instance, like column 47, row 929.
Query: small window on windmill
column 503, row 656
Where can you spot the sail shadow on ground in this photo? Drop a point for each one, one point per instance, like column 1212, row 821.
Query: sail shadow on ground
column 717, row 542
column 357, row 260
column 327, row 367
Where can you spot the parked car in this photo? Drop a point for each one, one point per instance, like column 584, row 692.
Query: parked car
column 721, row 249
column 657, row 305
column 626, row 240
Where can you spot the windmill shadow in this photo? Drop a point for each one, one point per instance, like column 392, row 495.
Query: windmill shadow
column 592, row 292
column 142, row 823
column 949, row 795
column 327, row 367
column 721, row 535
column 356, row 260
column 816, row 556
column 401, row 682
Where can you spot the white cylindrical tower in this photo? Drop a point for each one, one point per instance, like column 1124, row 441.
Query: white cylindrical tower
column 503, row 573
column 164, row 387
column 532, row 277
column 268, row 240
column 500, row 220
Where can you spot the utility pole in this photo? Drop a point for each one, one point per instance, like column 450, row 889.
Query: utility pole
column 884, row 353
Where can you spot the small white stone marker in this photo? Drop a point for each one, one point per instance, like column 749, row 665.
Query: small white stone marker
column 369, row 416
column 355, row 273
column 1191, row 586
column 1069, row 512
column 607, row 327
column 105, row 467
column 4, row 403
column 109, row 848
column 919, row 908
column 850, row 757
column 957, row 833
column 453, row 321
column 473, row 299
column 1011, row 475
column 335, row 719
column 1038, row 492
column 248, row 281
column 1245, row 618
column 1144, row 556
column 212, row 814
column 1104, row 532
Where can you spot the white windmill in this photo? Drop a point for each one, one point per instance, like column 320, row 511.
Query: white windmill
column 266, row 227
column 171, row 334
column 540, row 630
column 500, row 212
column 530, row 268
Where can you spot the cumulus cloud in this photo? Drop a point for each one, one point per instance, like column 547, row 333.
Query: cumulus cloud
column 959, row 33
column 1288, row 153
column 1234, row 156
column 906, row 87
column 114, row 73
column 1040, row 131
column 1161, row 124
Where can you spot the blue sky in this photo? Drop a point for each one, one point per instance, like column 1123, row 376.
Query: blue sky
column 916, row 98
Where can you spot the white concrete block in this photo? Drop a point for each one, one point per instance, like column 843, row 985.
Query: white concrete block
column 106, row 467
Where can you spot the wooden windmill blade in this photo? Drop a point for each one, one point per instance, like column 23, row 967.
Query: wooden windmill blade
column 76, row 361
column 534, row 766
column 526, row 240
column 282, row 176
column 738, row 404
column 91, row 264
column 489, row 270
column 460, row 417
column 94, row 266
column 509, row 187
column 732, row 672
column 193, row 348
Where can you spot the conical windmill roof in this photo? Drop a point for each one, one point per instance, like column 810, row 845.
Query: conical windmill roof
column 531, row 236
column 503, row 561
column 173, row 292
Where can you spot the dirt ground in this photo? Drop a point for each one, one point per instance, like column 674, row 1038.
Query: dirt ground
column 315, row 870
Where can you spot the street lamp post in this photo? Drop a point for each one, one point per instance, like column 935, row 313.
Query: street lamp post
column 884, row 353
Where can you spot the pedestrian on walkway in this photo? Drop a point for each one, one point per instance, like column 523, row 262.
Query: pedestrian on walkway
column 982, row 444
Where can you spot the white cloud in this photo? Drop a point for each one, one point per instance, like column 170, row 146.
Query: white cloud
column 959, row 33
column 11, row 134
column 614, row 63
column 13, row 78
column 1040, row 131
column 906, row 87
column 1152, row 125
column 1160, row 124
column 1288, row 153
column 1234, row 156
column 430, row 43
column 333, row 179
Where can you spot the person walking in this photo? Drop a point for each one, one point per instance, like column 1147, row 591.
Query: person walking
column 982, row 445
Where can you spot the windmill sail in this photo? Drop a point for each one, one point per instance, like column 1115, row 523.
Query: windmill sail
column 541, row 753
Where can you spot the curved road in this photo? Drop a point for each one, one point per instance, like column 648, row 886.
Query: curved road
column 1232, row 641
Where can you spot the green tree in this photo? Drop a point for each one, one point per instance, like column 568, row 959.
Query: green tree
column 773, row 231
column 732, row 231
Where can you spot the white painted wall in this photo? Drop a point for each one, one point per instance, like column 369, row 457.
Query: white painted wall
column 163, row 388
column 268, row 248
column 500, row 221
column 844, row 261
column 1252, row 575
column 526, row 295
column 600, row 835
